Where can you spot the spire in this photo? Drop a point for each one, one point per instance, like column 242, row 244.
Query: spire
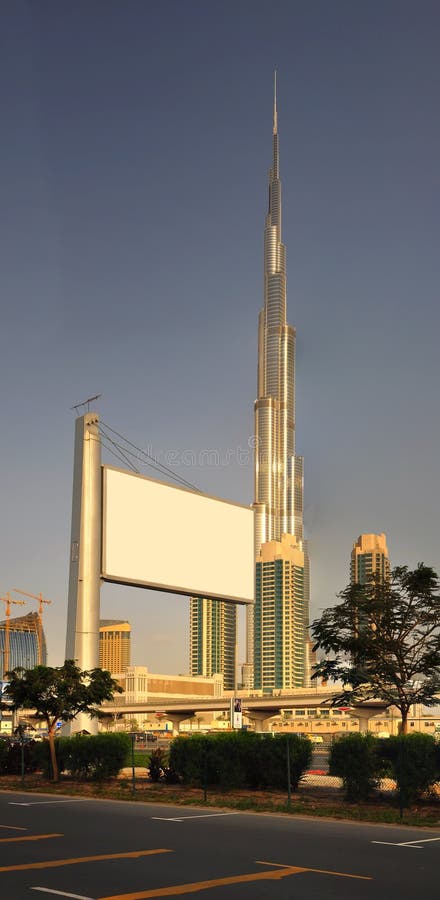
column 275, row 115
column 276, row 154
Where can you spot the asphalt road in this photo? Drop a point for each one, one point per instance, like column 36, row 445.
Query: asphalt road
column 108, row 850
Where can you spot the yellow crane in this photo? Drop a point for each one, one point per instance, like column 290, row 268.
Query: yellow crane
column 8, row 600
column 41, row 600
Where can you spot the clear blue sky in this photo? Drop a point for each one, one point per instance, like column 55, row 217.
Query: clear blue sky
column 136, row 138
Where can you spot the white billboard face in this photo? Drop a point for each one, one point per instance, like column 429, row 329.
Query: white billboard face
column 160, row 536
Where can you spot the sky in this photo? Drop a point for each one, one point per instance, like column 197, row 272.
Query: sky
column 136, row 139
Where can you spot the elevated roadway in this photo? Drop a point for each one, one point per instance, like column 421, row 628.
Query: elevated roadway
column 257, row 709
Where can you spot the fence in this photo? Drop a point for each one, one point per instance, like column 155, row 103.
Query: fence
column 396, row 770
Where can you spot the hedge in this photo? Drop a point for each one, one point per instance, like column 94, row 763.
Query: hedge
column 356, row 759
column 10, row 756
column 413, row 760
column 97, row 757
column 240, row 760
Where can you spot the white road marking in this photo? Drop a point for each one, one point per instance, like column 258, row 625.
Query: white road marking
column 61, row 893
column 46, row 802
column 424, row 841
column 13, row 827
column 393, row 844
column 412, row 844
column 164, row 819
column 183, row 818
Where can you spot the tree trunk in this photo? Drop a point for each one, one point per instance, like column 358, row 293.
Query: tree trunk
column 404, row 723
column 53, row 755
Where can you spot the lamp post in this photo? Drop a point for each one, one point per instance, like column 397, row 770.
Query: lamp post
column 20, row 732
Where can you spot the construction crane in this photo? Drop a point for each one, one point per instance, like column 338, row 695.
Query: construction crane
column 8, row 600
column 41, row 600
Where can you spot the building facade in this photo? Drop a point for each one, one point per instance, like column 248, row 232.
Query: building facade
column 140, row 685
column 25, row 645
column 279, row 482
column 114, row 645
column 213, row 639
column 279, row 634
column 369, row 556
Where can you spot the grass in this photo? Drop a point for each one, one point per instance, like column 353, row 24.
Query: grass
column 141, row 758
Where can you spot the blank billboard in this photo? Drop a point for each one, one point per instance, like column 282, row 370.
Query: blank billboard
column 169, row 538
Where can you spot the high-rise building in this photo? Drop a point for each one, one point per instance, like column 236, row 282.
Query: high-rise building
column 213, row 636
column 278, row 470
column 279, row 634
column 25, row 635
column 114, row 645
column 369, row 556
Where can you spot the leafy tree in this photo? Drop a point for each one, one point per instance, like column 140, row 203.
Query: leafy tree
column 59, row 693
column 133, row 725
column 383, row 640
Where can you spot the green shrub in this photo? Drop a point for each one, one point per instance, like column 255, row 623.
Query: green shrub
column 170, row 776
column 95, row 756
column 300, row 754
column 355, row 758
column 413, row 761
column 98, row 756
column 4, row 753
column 10, row 757
column 240, row 759
column 157, row 763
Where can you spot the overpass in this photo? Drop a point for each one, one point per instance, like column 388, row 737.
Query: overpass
column 257, row 709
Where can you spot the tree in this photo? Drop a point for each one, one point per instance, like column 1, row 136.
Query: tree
column 59, row 694
column 133, row 725
column 384, row 640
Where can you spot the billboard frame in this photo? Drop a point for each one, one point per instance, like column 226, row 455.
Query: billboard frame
column 156, row 586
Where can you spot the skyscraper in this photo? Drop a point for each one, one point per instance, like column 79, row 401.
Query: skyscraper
column 369, row 556
column 114, row 645
column 213, row 634
column 278, row 470
column 279, row 639
column 25, row 649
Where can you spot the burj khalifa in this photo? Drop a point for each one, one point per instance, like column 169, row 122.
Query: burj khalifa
column 278, row 497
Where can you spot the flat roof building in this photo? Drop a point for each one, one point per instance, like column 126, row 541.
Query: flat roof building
column 279, row 620
column 114, row 645
column 369, row 556
column 213, row 638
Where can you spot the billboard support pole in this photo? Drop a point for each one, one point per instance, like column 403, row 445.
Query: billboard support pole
column 82, row 640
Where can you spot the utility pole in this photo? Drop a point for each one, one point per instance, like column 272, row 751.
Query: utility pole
column 39, row 597
column 7, row 601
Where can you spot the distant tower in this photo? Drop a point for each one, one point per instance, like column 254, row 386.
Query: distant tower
column 25, row 649
column 213, row 636
column 278, row 471
column 114, row 645
column 280, row 642
column 369, row 556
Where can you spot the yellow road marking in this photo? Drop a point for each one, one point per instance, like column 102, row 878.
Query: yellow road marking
column 177, row 889
column 29, row 837
column 320, row 871
column 53, row 863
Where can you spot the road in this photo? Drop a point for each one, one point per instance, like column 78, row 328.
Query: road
column 112, row 850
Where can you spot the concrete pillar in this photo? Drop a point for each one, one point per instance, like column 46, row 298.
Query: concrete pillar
column 82, row 639
column 364, row 716
column 177, row 718
column 260, row 719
